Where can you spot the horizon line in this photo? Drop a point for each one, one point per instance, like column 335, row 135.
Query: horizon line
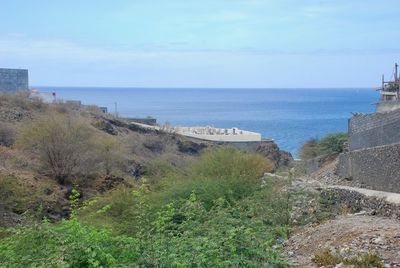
column 234, row 88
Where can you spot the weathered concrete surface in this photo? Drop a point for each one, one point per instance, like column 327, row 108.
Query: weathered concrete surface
column 13, row 79
column 377, row 168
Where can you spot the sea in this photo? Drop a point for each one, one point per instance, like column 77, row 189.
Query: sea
column 288, row 116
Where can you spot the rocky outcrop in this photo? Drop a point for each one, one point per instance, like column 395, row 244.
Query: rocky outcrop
column 270, row 150
column 13, row 114
column 191, row 147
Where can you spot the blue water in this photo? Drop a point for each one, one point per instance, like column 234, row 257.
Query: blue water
column 289, row 116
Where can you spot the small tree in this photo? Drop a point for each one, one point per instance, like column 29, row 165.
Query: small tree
column 109, row 153
column 309, row 149
column 62, row 143
column 333, row 143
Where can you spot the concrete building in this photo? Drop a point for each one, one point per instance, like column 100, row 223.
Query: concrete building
column 13, row 79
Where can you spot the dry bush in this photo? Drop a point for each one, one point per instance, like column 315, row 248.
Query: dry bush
column 5, row 157
column 62, row 143
column 134, row 143
column 310, row 149
column 21, row 100
column 154, row 144
column 7, row 134
column 14, row 161
column 109, row 153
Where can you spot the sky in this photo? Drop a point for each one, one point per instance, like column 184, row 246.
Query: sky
column 203, row 43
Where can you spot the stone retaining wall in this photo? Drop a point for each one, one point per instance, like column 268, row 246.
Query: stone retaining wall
column 377, row 168
column 370, row 130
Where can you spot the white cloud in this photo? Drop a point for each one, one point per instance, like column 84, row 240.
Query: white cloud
column 18, row 46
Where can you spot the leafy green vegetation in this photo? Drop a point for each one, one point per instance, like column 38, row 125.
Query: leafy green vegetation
column 332, row 143
column 14, row 196
column 214, row 213
column 67, row 244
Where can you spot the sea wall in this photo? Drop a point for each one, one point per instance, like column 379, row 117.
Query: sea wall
column 377, row 129
column 377, row 168
column 13, row 79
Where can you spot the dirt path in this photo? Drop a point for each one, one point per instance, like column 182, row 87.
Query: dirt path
column 393, row 198
column 347, row 234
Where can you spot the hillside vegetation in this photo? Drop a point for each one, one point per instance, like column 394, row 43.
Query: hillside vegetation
column 216, row 217
column 46, row 149
column 79, row 188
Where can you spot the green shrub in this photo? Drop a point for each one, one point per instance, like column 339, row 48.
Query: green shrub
column 222, row 173
column 13, row 195
column 188, row 234
column 365, row 260
column 157, row 170
column 181, row 234
column 333, row 143
column 330, row 144
column 326, row 258
column 202, row 217
column 67, row 244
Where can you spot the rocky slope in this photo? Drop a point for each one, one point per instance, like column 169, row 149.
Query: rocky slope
column 334, row 216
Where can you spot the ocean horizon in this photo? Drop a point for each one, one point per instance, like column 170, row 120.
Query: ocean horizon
column 289, row 116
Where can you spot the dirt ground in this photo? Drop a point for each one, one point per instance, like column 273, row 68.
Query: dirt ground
column 347, row 235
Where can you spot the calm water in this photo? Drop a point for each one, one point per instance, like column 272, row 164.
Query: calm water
column 289, row 116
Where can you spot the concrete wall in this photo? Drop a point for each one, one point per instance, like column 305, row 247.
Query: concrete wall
column 378, row 167
column 245, row 145
column 387, row 106
column 370, row 130
column 13, row 79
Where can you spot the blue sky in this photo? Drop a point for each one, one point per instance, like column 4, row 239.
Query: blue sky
column 207, row 43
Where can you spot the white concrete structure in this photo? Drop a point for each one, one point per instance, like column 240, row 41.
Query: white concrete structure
column 46, row 97
column 208, row 133
column 218, row 134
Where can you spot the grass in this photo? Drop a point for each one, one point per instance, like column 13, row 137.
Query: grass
column 365, row 260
